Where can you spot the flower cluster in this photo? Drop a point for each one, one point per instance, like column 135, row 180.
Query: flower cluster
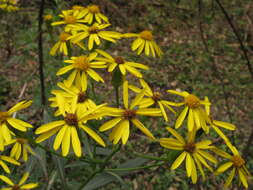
column 9, row 5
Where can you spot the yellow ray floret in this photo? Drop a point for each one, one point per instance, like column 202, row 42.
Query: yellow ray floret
column 127, row 115
column 82, row 67
column 121, row 64
column 70, row 17
column 20, row 186
column 193, row 153
column 144, row 43
column 8, row 159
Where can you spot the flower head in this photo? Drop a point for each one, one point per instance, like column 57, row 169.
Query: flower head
column 69, row 17
column 82, row 67
column 144, row 42
column 193, row 153
column 20, row 186
column 196, row 114
column 236, row 162
column 121, row 63
column 7, row 122
column 68, row 129
column 152, row 97
column 94, row 33
column 93, row 14
column 9, row 5
column 48, row 17
column 125, row 116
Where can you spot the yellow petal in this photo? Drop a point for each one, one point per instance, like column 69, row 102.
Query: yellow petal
column 190, row 123
column 194, row 175
column 109, row 124
column 179, row 160
column 47, row 134
column 14, row 123
column 224, row 167
column 94, row 135
column 126, row 131
column 225, row 125
column 29, row 186
column 66, row 142
column 188, row 164
column 243, row 178
column 64, row 70
column 176, row 134
column 140, row 126
column 230, row 178
column 125, row 93
column 5, row 167
column 49, row 126
column 76, row 142
column 181, row 117
column 59, row 137
column 24, row 178
column 6, row 180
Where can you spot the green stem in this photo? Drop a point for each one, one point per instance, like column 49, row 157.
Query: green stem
column 117, row 95
column 101, row 169
column 136, row 168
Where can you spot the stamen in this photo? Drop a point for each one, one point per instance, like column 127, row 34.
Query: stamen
column 156, row 96
column 81, row 63
column 129, row 114
column 71, row 119
column 64, row 36
column 93, row 9
column 192, row 101
column 81, row 97
column 3, row 116
column 119, row 60
column 238, row 161
column 190, row 147
column 146, row 35
column 93, row 30
column 69, row 19
column 21, row 140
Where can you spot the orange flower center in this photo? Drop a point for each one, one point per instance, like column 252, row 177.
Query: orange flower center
column 77, row 7
column 190, row 147
column 192, row 101
column 64, row 36
column 81, row 97
column 3, row 116
column 156, row 96
column 81, row 63
column 93, row 9
column 129, row 114
column 48, row 17
column 93, row 30
column 15, row 187
column 71, row 119
column 21, row 140
column 119, row 60
column 146, row 35
column 238, row 161
column 70, row 19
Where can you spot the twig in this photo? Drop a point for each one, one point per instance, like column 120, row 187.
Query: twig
column 40, row 52
column 215, row 69
column 20, row 96
column 237, row 36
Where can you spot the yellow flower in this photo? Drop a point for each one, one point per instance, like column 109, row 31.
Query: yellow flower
column 20, row 185
column 7, row 121
column 21, row 146
column 70, row 17
column 82, row 66
column 48, row 17
column 123, row 65
column 125, row 116
column 75, row 92
column 196, row 115
column 144, row 42
column 216, row 124
column 8, row 159
column 94, row 33
column 236, row 162
column 153, row 97
column 9, row 5
column 68, row 129
column 193, row 153
column 92, row 14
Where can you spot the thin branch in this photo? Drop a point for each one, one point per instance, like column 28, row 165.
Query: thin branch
column 40, row 52
column 244, row 50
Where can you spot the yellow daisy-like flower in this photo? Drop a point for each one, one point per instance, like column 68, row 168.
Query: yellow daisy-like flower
column 196, row 115
column 7, row 121
column 217, row 124
column 20, row 147
column 9, row 5
column 144, row 43
column 153, row 97
column 82, row 66
column 125, row 116
column 8, row 159
column 236, row 162
column 123, row 65
column 92, row 14
column 94, row 33
column 20, row 186
column 61, row 45
column 68, row 129
column 193, row 153
column 70, row 17
column 48, row 17
column 77, row 92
